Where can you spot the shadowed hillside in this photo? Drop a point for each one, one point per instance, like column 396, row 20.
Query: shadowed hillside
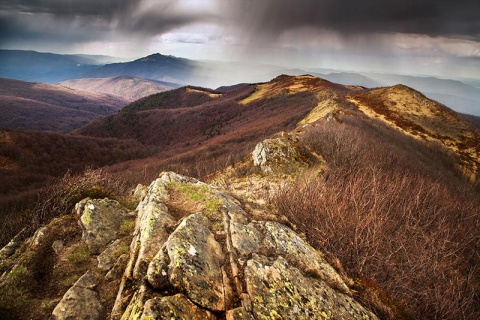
column 38, row 106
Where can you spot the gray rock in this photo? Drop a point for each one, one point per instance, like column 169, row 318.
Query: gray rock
column 109, row 256
column 271, row 153
column 100, row 220
column 80, row 302
column 300, row 254
column 174, row 307
column 58, row 246
column 196, row 260
column 278, row 290
column 153, row 225
column 140, row 192
column 10, row 248
column 116, row 271
column 157, row 273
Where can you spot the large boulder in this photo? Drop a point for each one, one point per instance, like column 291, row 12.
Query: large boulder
column 100, row 220
column 195, row 266
column 283, row 154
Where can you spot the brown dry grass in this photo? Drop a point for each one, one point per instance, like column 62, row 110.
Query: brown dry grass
column 59, row 199
column 392, row 210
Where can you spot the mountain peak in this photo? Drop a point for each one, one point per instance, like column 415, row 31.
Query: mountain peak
column 156, row 57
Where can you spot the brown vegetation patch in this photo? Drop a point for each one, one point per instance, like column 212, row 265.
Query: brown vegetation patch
column 394, row 210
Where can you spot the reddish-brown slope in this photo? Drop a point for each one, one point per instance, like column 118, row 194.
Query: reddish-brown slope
column 38, row 106
column 189, row 117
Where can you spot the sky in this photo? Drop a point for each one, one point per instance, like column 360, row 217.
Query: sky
column 430, row 37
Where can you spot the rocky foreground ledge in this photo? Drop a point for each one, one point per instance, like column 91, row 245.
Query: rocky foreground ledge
column 196, row 254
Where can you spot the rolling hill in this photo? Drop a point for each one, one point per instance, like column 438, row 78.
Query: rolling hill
column 188, row 116
column 460, row 95
column 455, row 94
column 128, row 88
column 383, row 181
column 38, row 106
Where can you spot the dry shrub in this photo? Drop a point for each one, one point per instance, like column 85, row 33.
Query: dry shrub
column 60, row 197
column 392, row 213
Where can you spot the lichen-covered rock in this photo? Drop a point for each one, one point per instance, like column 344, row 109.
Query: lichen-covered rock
column 80, row 302
column 174, row 307
column 275, row 239
column 109, row 256
column 245, row 237
column 300, row 254
column 278, row 290
column 153, row 227
column 116, row 271
column 11, row 246
column 58, row 246
column 271, row 154
column 239, row 314
column 140, row 192
column 195, row 267
column 157, row 273
column 222, row 264
column 100, row 220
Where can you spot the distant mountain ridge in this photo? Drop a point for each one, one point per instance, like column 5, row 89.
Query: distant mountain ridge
column 155, row 67
column 129, row 88
column 45, row 67
column 52, row 68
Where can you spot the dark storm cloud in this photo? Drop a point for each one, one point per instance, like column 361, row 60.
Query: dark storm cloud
column 431, row 17
column 67, row 8
column 91, row 19
column 257, row 18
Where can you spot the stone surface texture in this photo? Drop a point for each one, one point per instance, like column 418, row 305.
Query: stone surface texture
column 195, row 253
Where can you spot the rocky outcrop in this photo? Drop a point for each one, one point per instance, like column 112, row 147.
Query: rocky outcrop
column 194, row 253
column 282, row 154
column 11, row 246
column 222, row 264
